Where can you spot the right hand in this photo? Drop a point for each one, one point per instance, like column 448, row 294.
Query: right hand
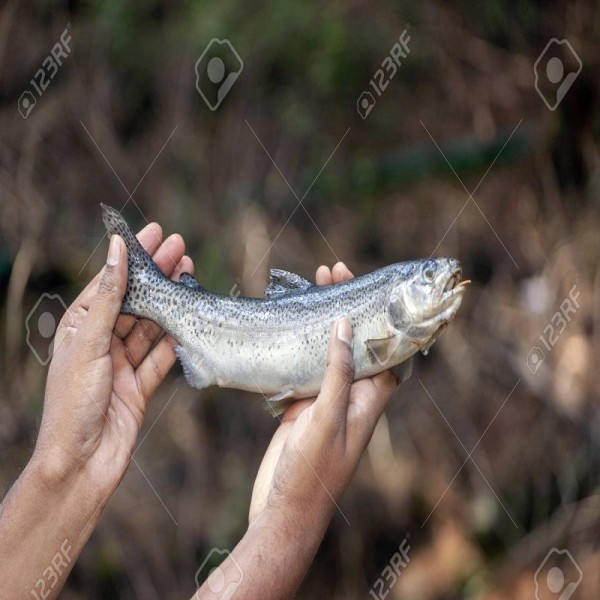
column 316, row 449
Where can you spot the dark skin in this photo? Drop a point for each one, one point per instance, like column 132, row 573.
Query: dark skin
column 357, row 412
column 105, row 368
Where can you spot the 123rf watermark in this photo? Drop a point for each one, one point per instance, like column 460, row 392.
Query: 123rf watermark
column 58, row 565
column 217, row 69
column 555, row 70
column 382, row 77
column 558, row 576
column 389, row 576
column 42, row 323
column 558, row 323
column 46, row 73
column 223, row 585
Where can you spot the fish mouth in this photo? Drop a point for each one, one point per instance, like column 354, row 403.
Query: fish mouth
column 455, row 283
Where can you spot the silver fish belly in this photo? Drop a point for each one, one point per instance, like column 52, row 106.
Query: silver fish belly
column 277, row 346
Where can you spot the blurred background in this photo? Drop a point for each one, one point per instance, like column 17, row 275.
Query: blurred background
column 486, row 463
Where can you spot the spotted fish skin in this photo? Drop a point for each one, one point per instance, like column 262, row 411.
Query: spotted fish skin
column 277, row 346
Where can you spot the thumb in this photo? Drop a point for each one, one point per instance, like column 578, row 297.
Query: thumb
column 333, row 399
column 106, row 304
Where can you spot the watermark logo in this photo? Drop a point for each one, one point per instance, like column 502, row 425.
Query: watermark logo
column 365, row 104
column 235, row 291
column 52, row 573
column 46, row 73
column 217, row 70
column 555, row 70
column 382, row 77
column 223, row 585
column 26, row 103
column 557, row 577
column 41, row 324
column 535, row 358
column 558, row 323
column 389, row 576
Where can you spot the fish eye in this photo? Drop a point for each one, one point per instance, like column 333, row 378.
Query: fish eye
column 429, row 272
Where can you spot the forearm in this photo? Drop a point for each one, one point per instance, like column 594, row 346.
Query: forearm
column 272, row 558
column 44, row 524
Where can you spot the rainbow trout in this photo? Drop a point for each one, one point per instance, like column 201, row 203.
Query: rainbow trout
column 277, row 346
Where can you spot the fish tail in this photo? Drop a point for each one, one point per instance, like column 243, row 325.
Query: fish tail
column 141, row 268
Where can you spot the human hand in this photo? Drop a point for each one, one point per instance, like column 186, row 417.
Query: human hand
column 316, row 449
column 105, row 369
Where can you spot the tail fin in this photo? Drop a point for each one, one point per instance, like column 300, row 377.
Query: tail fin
column 139, row 261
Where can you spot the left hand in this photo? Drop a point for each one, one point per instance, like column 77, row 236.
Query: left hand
column 104, row 370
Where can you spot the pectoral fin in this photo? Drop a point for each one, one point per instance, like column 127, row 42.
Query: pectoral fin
column 283, row 282
column 381, row 350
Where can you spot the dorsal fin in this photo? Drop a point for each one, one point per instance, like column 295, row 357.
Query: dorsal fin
column 190, row 281
column 282, row 282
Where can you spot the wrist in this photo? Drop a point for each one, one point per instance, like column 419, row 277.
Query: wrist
column 293, row 520
column 72, row 486
column 44, row 523
column 311, row 508
column 284, row 539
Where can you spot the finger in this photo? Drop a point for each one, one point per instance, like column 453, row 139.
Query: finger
column 124, row 325
column 370, row 397
column 341, row 272
column 186, row 265
column 145, row 332
column 150, row 237
column 323, row 276
column 293, row 412
column 332, row 401
column 169, row 254
column 96, row 331
column 385, row 384
column 140, row 339
column 155, row 366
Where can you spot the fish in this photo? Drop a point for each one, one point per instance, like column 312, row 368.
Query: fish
column 277, row 345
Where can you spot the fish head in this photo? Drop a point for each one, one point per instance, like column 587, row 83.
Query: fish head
column 425, row 299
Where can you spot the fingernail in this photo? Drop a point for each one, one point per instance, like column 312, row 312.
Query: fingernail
column 114, row 251
column 344, row 331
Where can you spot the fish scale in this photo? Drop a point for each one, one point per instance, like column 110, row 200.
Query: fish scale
column 277, row 346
